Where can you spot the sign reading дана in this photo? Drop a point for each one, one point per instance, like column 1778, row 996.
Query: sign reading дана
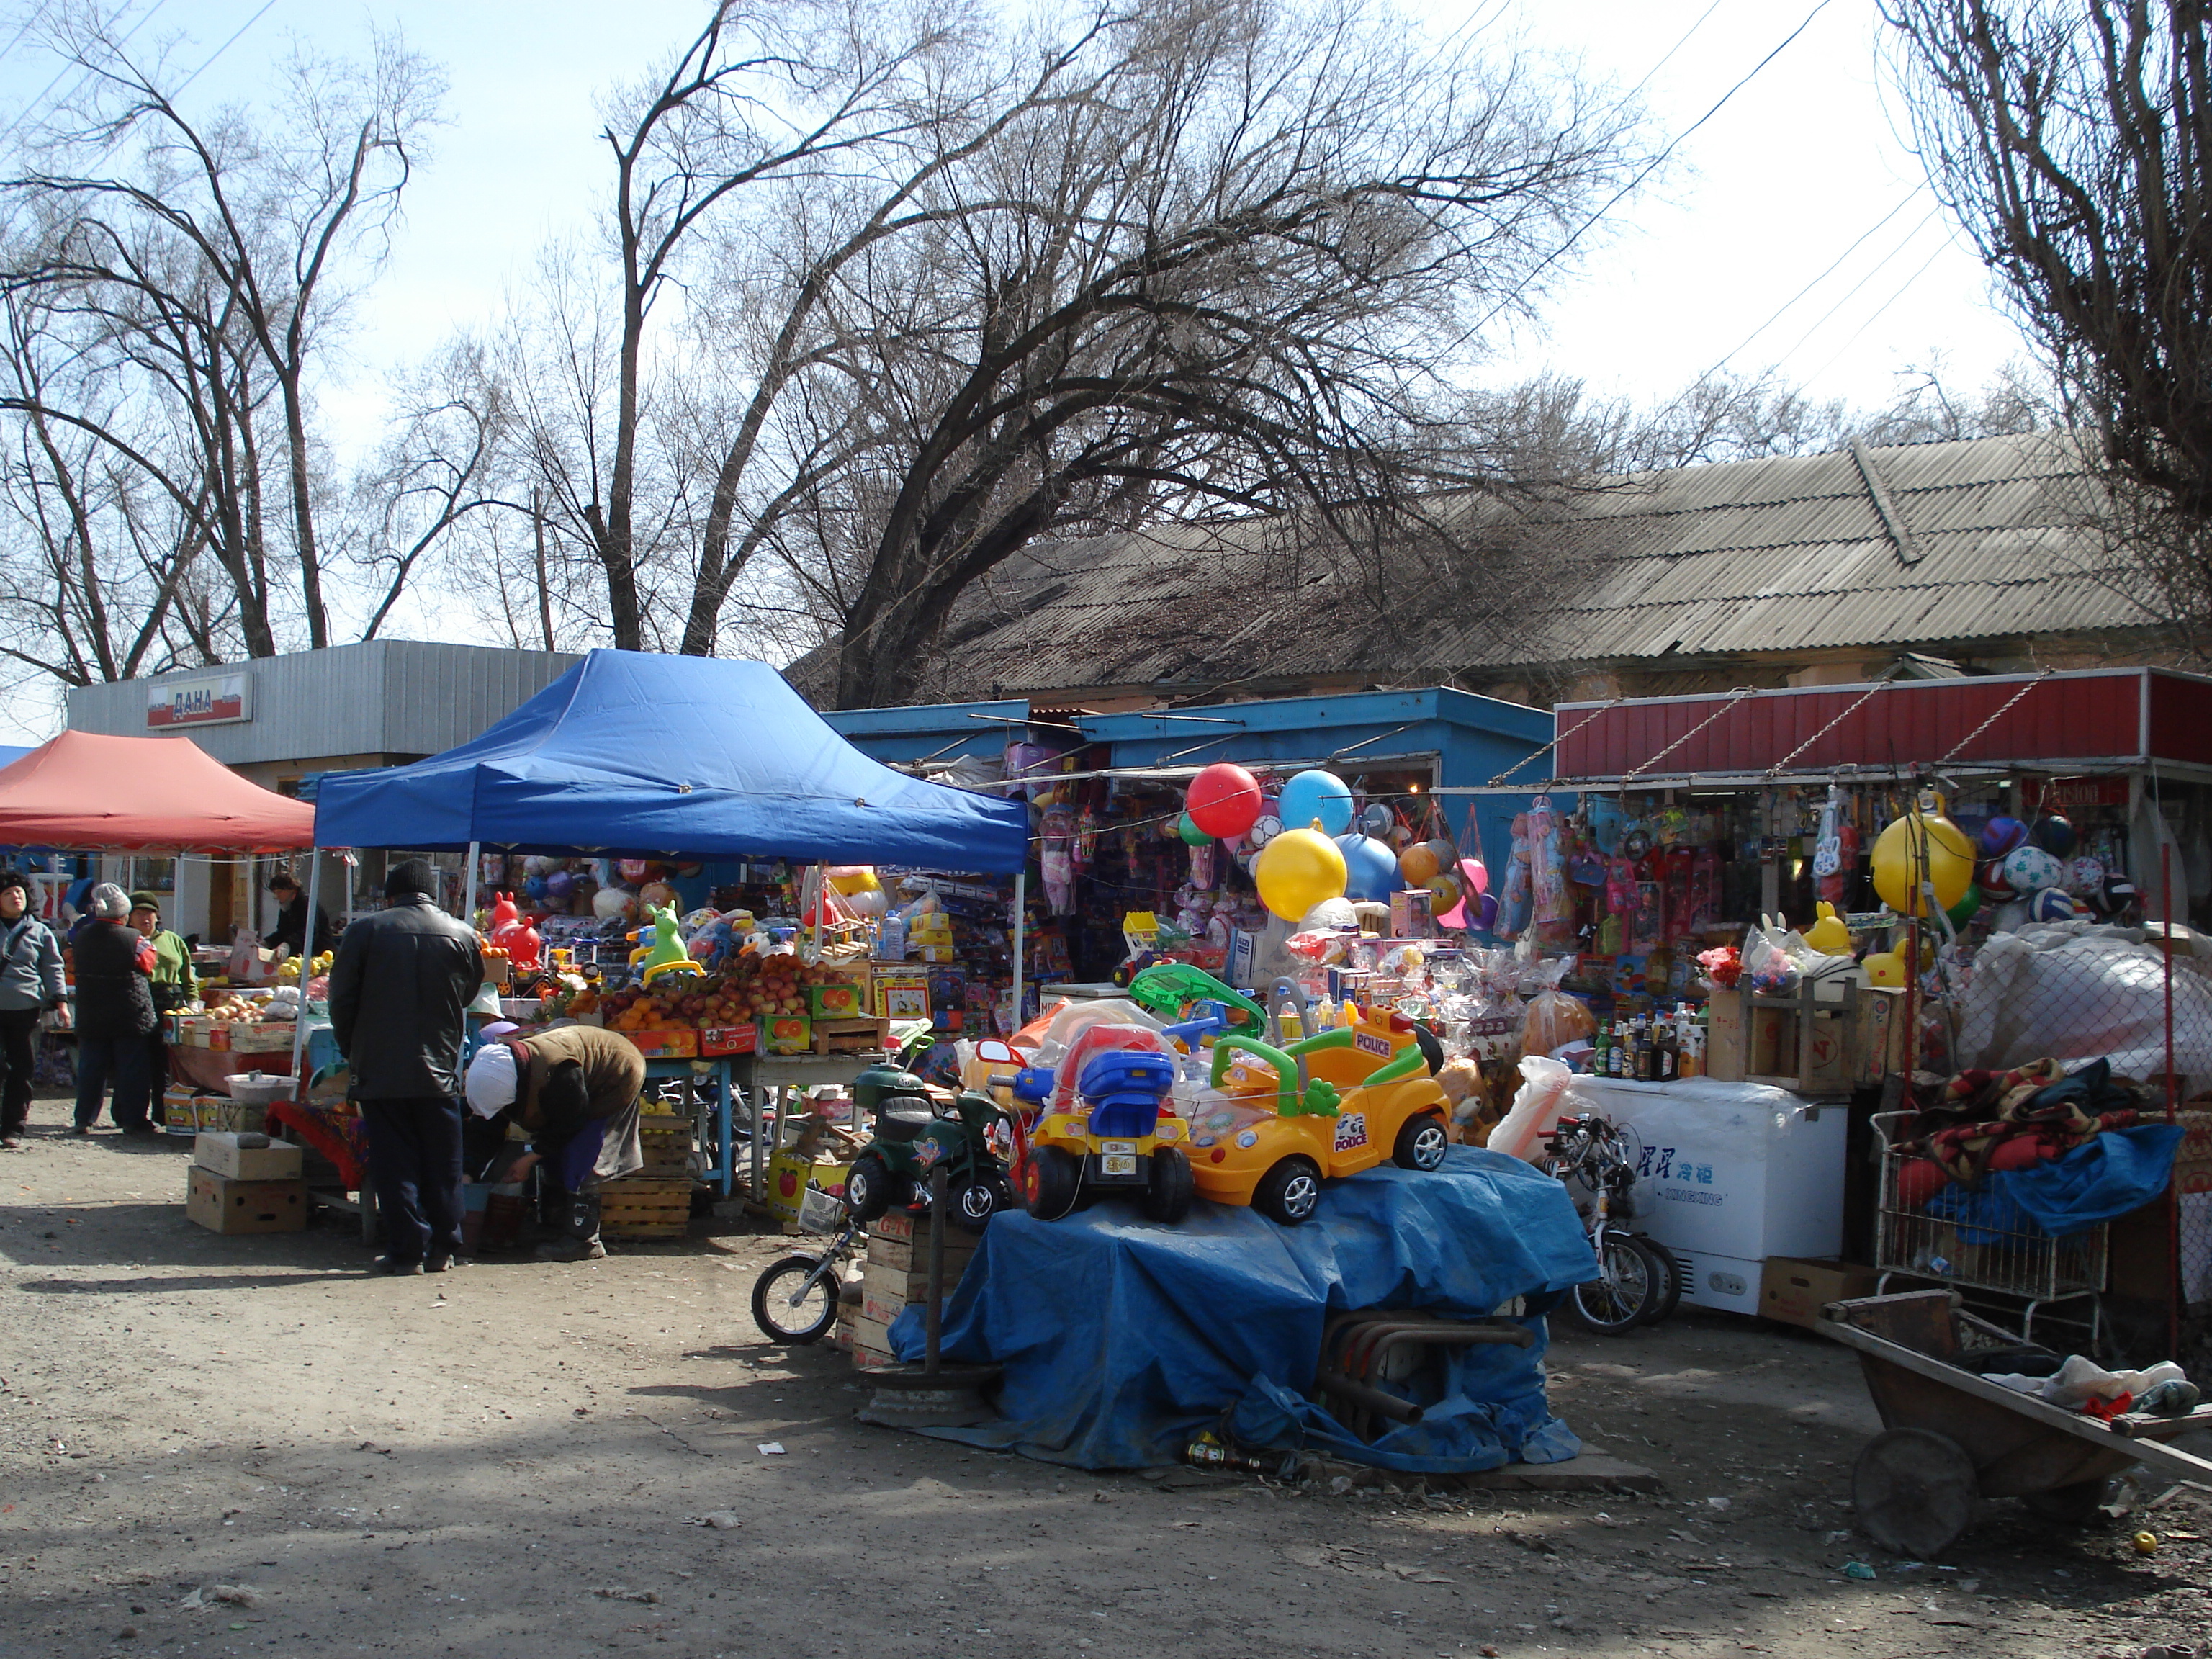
column 219, row 700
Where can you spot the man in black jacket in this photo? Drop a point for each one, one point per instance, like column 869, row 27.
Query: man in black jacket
column 292, row 918
column 400, row 989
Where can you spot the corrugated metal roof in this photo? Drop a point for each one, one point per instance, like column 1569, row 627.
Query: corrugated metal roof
column 1783, row 554
column 382, row 696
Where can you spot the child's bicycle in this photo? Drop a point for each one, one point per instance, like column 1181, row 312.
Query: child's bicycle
column 1638, row 1281
column 795, row 1298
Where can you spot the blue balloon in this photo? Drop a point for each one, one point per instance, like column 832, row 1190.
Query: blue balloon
column 1313, row 795
column 1370, row 869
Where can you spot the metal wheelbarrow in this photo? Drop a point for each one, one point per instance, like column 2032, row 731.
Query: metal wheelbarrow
column 1952, row 1437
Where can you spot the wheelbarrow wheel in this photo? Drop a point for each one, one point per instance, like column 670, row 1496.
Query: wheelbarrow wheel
column 2076, row 1505
column 1915, row 1492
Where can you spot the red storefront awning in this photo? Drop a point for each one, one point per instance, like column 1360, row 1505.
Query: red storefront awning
column 2088, row 720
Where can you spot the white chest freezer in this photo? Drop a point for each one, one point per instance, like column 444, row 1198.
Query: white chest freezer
column 1728, row 1174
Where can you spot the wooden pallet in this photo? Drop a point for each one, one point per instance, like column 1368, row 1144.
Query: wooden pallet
column 851, row 1036
column 654, row 1206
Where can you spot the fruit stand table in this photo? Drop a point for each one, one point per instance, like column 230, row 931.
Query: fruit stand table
column 758, row 1073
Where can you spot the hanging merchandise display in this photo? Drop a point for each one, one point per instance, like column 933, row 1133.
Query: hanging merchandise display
column 1919, row 846
column 1222, row 800
column 1297, row 870
column 1316, row 799
column 1370, row 869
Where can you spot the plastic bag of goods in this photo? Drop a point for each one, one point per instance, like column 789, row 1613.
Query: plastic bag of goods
column 1542, row 1100
column 1554, row 1018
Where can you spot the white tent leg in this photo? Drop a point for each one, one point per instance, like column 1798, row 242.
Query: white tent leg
column 469, row 901
column 307, row 967
column 1020, row 920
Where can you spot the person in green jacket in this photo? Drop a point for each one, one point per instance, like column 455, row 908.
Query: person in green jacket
column 175, row 984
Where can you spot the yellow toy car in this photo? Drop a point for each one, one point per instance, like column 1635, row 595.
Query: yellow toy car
column 1269, row 1137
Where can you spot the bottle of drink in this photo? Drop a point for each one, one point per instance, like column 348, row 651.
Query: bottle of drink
column 1666, row 1056
column 1599, row 1045
column 1616, row 1056
column 1640, row 1051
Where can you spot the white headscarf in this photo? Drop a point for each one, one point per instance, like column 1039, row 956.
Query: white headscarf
column 110, row 902
column 491, row 1081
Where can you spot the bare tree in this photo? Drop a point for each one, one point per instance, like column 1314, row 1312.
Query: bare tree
column 196, row 282
column 2073, row 140
column 793, row 96
column 1237, row 275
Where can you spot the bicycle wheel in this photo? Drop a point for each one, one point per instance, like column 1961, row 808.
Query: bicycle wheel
column 1670, row 1279
column 1625, row 1291
column 789, row 1309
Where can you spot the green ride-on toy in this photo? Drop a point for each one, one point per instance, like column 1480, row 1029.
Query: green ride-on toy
column 916, row 1134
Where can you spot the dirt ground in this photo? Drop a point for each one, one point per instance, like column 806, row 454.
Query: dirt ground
column 516, row 1460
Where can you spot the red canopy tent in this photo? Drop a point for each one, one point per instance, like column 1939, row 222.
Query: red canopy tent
column 140, row 795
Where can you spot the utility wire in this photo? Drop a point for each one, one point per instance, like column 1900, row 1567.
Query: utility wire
column 1649, row 167
column 1879, row 309
column 1780, row 310
column 1872, row 272
column 8, row 130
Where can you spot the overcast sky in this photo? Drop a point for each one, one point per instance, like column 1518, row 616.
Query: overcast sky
column 1800, row 169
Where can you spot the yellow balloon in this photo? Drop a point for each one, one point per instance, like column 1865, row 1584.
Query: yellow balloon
column 1448, row 889
column 854, row 878
column 1296, row 870
column 1949, row 853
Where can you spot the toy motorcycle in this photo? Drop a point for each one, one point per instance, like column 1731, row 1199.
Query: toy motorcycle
column 914, row 1137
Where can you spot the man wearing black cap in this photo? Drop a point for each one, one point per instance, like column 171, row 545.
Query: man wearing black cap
column 400, row 989
column 31, row 980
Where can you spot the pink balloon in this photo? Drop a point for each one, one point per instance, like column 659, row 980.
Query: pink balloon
column 1478, row 877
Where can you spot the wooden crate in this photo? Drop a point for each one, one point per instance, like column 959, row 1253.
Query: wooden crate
column 666, row 1139
column 851, row 1036
column 652, row 1206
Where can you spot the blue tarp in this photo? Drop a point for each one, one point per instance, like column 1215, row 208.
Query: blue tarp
column 2100, row 1180
column 644, row 755
column 1121, row 1339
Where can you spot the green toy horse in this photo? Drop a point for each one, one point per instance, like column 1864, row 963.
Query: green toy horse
column 667, row 954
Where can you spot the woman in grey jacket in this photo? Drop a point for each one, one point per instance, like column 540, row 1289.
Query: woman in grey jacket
column 30, row 980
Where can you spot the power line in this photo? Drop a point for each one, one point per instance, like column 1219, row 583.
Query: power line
column 1653, row 165
column 1872, row 272
column 8, row 130
column 1676, row 47
column 1784, row 307
column 224, row 47
column 1879, row 309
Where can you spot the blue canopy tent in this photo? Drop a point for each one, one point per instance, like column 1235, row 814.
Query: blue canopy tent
column 639, row 755
column 633, row 755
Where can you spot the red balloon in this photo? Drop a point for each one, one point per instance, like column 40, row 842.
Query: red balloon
column 1223, row 800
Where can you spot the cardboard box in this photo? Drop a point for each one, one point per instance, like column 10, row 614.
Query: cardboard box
column 220, row 1151
column 223, row 1205
column 896, row 1286
column 676, row 1042
column 790, row 1177
column 729, row 1039
column 1411, row 914
column 271, row 1037
column 901, row 992
column 2193, row 1159
column 836, row 1002
column 1795, row 1289
column 788, row 1034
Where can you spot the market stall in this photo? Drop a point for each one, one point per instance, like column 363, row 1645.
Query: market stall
column 165, row 796
column 651, row 767
column 1966, row 879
